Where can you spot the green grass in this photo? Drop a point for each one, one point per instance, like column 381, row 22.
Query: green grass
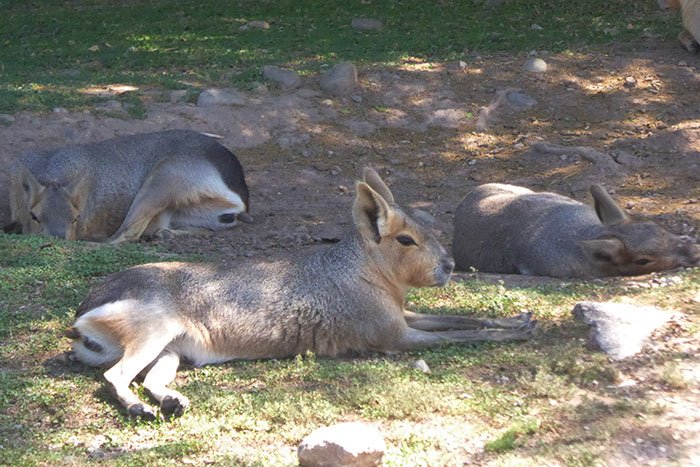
column 53, row 51
column 529, row 399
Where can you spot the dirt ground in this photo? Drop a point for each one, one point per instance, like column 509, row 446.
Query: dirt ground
column 434, row 132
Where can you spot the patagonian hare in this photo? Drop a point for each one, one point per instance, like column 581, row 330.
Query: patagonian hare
column 345, row 299
column 513, row 230
column 152, row 184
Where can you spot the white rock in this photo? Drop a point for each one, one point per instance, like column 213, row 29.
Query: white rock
column 621, row 330
column 366, row 24
column 287, row 79
column 340, row 80
column 535, row 65
column 345, row 444
column 220, row 97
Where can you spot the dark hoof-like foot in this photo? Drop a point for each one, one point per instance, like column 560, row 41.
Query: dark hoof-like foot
column 142, row 411
column 173, row 407
column 162, row 234
column 688, row 41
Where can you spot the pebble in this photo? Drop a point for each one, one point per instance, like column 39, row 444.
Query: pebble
column 256, row 24
column 630, row 82
column 535, row 65
column 366, row 24
column 421, row 366
column 356, row 98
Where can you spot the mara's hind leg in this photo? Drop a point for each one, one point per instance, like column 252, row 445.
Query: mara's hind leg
column 414, row 339
column 426, row 322
column 162, row 373
column 138, row 354
column 170, row 192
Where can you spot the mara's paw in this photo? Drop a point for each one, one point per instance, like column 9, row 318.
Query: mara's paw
column 173, row 407
column 143, row 411
column 161, row 235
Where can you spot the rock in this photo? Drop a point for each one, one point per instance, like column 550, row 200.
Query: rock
column 220, row 97
column 535, row 65
column 446, row 118
column 462, row 65
column 630, row 82
column 366, row 24
column 255, row 24
column 60, row 110
column 344, row 444
column 340, row 80
column 286, row 79
column 356, row 98
column 307, row 93
column 110, row 106
column 421, row 366
column 178, row 95
column 618, row 329
column 520, row 100
column 7, row 119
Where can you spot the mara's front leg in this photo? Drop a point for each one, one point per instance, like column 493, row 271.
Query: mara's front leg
column 452, row 322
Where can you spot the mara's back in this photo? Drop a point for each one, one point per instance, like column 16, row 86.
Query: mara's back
column 510, row 229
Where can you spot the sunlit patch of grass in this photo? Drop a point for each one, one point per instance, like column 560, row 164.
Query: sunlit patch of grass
column 64, row 46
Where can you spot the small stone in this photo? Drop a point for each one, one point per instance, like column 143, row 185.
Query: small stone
column 94, row 48
column 350, row 444
column 618, row 329
column 462, row 65
column 215, row 96
column 535, row 65
column 536, row 27
column 60, row 110
column 177, row 95
column 356, row 98
column 257, row 24
column 630, row 82
column 421, row 366
column 286, row 79
column 340, row 80
column 682, row 63
column 307, row 93
column 366, row 24
column 7, row 119
column 520, row 100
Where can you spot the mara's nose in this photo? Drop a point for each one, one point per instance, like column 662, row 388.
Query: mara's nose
column 448, row 265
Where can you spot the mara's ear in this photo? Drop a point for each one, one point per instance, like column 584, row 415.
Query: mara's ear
column 77, row 190
column 606, row 208
column 26, row 185
column 370, row 212
column 373, row 179
column 604, row 250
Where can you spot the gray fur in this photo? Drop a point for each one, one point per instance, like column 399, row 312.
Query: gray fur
column 509, row 229
column 342, row 300
column 118, row 186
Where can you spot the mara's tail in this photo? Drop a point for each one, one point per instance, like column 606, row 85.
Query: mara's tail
column 93, row 348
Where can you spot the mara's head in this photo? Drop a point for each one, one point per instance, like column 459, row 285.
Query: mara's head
column 49, row 208
column 403, row 249
column 632, row 247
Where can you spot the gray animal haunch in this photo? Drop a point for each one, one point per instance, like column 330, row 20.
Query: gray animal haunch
column 510, row 229
column 126, row 187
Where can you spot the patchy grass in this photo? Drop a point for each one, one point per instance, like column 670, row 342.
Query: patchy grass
column 58, row 53
column 549, row 399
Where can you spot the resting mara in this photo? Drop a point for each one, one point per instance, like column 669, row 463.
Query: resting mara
column 510, row 229
column 345, row 299
column 123, row 188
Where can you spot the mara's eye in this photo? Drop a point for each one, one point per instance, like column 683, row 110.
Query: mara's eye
column 77, row 218
column 34, row 218
column 406, row 240
column 642, row 261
